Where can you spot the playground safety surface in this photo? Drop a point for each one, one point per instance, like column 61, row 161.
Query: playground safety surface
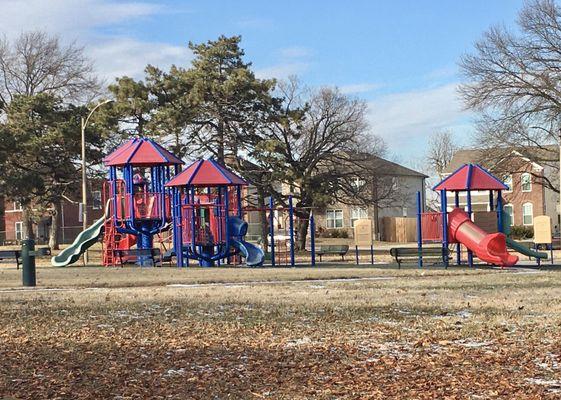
column 281, row 334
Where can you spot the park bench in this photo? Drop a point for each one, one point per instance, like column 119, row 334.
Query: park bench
column 11, row 255
column 339, row 249
column 43, row 251
column 154, row 255
column 402, row 254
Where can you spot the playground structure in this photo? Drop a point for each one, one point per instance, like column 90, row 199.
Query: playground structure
column 196, row 215
column 207, row 216
column 460, row 227
column 146, row 196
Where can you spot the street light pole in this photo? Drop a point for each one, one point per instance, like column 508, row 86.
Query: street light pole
column 83, row 124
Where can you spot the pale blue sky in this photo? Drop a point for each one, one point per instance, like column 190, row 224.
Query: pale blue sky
column 400, row 56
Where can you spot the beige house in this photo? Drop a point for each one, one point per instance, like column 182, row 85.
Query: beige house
column 402, row 203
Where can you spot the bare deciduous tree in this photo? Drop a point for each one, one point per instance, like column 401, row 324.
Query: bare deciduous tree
column 37, row 63
column 514, row 82
column 321, row 148
column 441, row 150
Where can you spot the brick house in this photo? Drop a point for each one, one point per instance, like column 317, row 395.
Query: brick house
column 527, row 197
column 70, row 219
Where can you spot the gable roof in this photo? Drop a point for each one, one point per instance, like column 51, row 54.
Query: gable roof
column 141, row 152
column 492, row 158
column 206, row 173
column 391, row 168
column 471, row 177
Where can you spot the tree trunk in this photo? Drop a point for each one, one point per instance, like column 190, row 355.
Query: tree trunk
column 55, row 227
column 263, row 219
column 28, row 231
column 302, row 234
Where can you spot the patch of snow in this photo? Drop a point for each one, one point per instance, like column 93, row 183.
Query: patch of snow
column 298, row 342
column 175, row 372
column 473, row 344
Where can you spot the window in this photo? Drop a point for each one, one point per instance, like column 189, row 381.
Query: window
column 358, row 213
column 17, row 206
column 508, row 182
column 96, row 200
column 527, row 214
column 357, row 183
column 334, row 218
column 526, row 182
column 509, row 213
column 19, row 230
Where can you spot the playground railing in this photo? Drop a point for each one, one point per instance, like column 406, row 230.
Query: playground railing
column 207, row 222
column 431, row 223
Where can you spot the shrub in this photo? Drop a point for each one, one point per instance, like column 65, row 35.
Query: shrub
column 334, row 233
column 521, row 232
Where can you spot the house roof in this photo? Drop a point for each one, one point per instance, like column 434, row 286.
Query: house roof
column 141, row 152
column 206, row 173
column 385, row 167
column 388, row 167
column 471, row 177
column 492, row 158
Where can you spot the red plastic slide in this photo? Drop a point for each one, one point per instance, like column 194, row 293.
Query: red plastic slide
column 488, row 247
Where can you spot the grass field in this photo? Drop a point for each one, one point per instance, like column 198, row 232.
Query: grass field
column 283, row 334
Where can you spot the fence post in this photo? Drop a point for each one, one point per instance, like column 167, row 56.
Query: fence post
column 28, row 262
column 291, row 225
column 356, row 254
column 419, row 230
column 313, row 238
column 272, row 229
column 372, row 254
column 444, row 211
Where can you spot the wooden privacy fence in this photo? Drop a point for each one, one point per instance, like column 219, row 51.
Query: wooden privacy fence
column 398, row 229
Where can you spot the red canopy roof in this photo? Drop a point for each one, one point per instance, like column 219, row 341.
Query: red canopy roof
column 206, row 173
column 471, row 177
column 141, row 152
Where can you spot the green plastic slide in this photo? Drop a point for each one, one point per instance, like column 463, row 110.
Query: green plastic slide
column 514, row 245
column 84, row 241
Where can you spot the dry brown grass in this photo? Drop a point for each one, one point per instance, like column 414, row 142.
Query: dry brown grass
column 415, row 334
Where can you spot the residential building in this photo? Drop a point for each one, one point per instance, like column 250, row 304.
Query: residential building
column 405, row 183
column 528, row 195
column 70, row 219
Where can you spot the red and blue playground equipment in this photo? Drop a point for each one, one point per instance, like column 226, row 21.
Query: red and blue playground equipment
column 198, row 212
column 147, row 195
column 139, row 203
column 208, row 223
column 456, row 227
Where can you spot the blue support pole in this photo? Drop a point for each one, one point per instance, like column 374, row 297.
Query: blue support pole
column 458, row 245
column 291, row 226
column 470, row 253
column 239, row 200
column 419, row 230
column 500, row 211
column 227, row 218
column 356, row 254
column 177, row 239
column 313, row 238
column 272, row 228
column 372, row 254
column 444, row 211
